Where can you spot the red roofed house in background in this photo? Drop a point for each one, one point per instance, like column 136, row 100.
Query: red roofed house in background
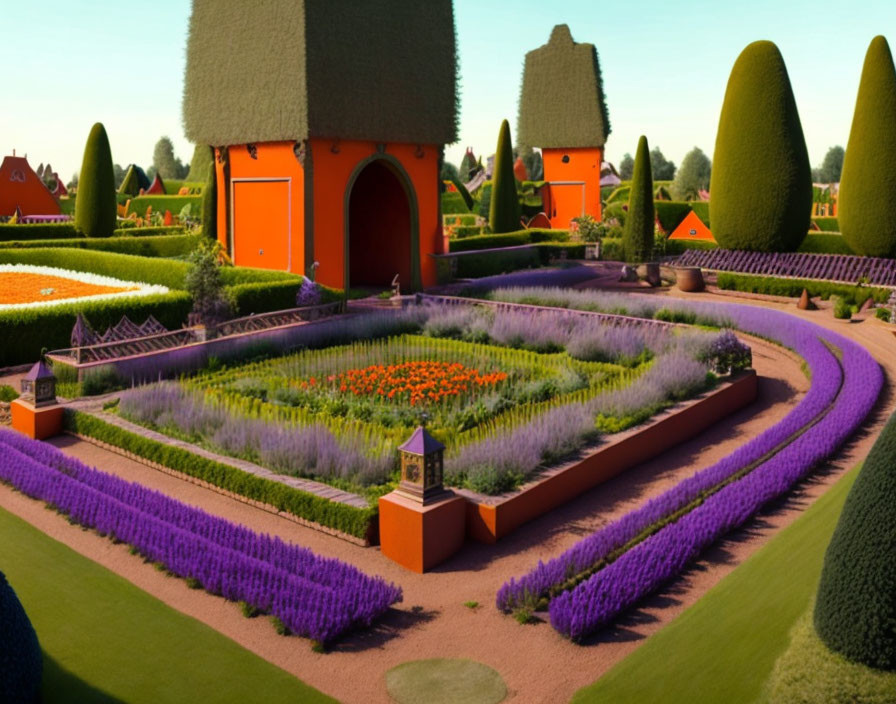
column 21, row 188
column 692, row 228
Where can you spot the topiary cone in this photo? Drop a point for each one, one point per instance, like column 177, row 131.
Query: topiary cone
column 761, row 183
column 855, row 613
column 867, row 199
column 504, row 209
column 21, row 660
column 637, row 238
column 95, row 206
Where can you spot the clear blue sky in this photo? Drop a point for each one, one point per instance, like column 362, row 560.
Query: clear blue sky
column 665, row 66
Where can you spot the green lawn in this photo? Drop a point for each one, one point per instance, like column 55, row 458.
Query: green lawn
column 105, row 640
column 723, row 648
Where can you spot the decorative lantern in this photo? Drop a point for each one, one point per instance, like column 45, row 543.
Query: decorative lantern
column 39, row 386
column 422, row 467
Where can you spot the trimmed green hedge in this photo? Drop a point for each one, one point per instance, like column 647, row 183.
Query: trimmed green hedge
column 453, row 203
column 162, row 203
column 172, row 186
column 554, row 250
column 48, row 231
column 670, row 213
column 160, row 246
column 828, row 243
column 124, row 231
column 26, row 332
column 855, row 613
column 792, row 288
column 701, row 210
column 265, row 297
column 674, row 247
column 508, row 239
column 358, row 522
column 462, row 231
column 490, row 263
column 827, row 224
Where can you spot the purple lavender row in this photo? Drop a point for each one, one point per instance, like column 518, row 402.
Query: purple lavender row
column 587, row 554
column 293, row 558
column 313, row 610
column 661, row 557
column 831, row 267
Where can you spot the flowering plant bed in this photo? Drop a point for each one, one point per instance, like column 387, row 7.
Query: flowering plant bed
column 509, row 394
column 30, row 286
column 604, row 574
column 315, row 597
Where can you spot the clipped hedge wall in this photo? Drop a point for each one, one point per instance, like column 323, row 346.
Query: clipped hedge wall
column 48, row 231
column 453, row 203
column 855, row 613
column 555, row 250
column 347, row 519
column 675, row 247
column 173, row 185
column 491, row 263
column 792, row 288
column 670, row 213
column 27, row 331
column 827, row 224
column 162, row 203
column 508, row 239
column 701, row 210
column 160, row 246
column 827, row 243
column 21, row 660
column 125, row 231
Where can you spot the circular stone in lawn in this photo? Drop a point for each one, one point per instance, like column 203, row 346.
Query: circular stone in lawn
column 445, row 680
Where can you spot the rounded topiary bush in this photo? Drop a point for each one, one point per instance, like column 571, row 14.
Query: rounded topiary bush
column 21, row 662
column 855, row 613
column 761, row 183
column 868, row 181
column 96, row 207
column 809, row 672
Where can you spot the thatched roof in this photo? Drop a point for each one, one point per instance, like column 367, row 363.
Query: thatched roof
column 562, row 100
column 268, row 70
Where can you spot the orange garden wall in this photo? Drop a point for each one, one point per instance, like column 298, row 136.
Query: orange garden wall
column 564, row 202
column 269, row 233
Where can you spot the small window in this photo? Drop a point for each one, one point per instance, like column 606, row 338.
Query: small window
column 565, row 159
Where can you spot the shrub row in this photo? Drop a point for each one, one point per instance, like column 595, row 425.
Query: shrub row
column 159, row 246
column 265, row 297
column 26, row 332
column 467, row 230
column 508, row 239
column 827, row 243
column 172, row 186
column 162, row 203
column 358, row 522
column 127, row 230
column 827, row 224
column 792, row 288
column 48, row 231
column 453, row 203
column 491, row 263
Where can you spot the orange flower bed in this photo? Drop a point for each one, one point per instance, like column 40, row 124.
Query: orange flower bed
column 21, row 287
column 415, row 382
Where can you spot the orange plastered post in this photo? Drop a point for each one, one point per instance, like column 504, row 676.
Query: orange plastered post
column 420, row 537
column 692, row 228
column 36, row 423
column 573, row 184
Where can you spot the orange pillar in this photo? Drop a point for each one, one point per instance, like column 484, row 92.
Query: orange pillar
column 36, row 423
column 419, row 536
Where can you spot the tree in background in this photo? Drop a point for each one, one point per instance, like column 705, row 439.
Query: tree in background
column 468, row 166
column 164, row 162
column 449, row 172
column 96, row 210
column 662, row 168
column 867, row 206
column 119, row 174
column 637, row 238
column 210, row 203
column 761, row 183
column 626, row 167
column 203, row 155
column 504, row 208
column 73, row 183
column 692, row 176
column 831, row 167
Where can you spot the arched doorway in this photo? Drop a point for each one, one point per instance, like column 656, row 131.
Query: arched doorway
column 381, row 226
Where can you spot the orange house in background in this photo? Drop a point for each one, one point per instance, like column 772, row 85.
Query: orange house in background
column 21, row 188
column 692, row 228
column 563, row 111
column 328, row 142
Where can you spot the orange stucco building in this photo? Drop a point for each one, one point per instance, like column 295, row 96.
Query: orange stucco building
column 563, row 111
column 328, row 141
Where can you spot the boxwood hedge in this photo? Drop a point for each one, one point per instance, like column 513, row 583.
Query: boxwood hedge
column 508, row 239
column 792, row 288
column 46, row 231
column 358, row 522
column 160, row 246
column 160, row 204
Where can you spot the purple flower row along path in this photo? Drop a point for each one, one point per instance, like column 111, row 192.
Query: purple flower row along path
column 319, row 598
column 837, row 403
column 831, row 267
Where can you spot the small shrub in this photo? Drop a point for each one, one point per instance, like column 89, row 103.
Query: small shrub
column 248, row 610
column 883, row 314
column 206, row 287
column 279, row 626
column 842, row 309
column 471, row 604
column 7, row 393
column 193, row 583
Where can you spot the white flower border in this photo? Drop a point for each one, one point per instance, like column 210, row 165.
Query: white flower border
column 143, row 289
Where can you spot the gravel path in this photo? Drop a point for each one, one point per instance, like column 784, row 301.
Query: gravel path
column 536, row 663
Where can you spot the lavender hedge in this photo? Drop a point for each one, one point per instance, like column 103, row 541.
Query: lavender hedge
column 829, row 267
column 316, row 597
column 624, row 561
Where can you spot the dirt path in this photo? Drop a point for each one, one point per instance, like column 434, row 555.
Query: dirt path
column 537, row 664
